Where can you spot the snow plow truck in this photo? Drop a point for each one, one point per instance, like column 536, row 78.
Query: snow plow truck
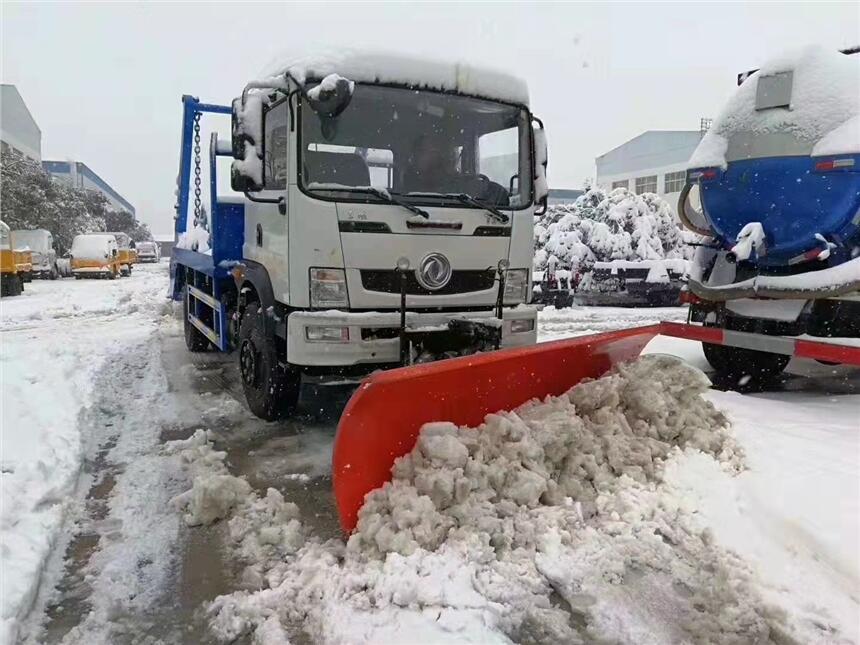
column 384, row 218
column 331, row 262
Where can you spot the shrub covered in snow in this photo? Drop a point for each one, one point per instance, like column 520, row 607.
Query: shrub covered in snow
column 609, row 225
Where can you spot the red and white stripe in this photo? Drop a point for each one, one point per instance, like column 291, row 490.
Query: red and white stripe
column 801, row 348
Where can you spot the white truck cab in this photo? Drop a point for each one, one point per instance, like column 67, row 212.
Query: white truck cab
column 388, row 215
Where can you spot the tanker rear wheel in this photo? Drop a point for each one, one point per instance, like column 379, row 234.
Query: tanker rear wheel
column 741, row 367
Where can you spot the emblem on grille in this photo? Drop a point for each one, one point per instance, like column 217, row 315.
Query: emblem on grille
column 434, row 272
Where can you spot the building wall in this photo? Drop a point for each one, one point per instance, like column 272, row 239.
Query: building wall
column 563, row 196
column 18, row 128
column 655, row 153
column 80, row 175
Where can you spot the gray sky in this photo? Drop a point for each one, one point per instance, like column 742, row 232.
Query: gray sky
column 104, row 81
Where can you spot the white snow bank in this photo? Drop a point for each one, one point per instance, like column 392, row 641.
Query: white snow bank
column 794, row 513
column 546, row 524
column 825, row 95
column 56, row 338
column 397, row 68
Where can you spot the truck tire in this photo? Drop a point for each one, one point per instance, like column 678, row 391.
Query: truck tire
column 11, row 286
column 271, row 391
column 194, row 340
column 741, row 367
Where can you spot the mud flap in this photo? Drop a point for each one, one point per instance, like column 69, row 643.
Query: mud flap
column 382, row 419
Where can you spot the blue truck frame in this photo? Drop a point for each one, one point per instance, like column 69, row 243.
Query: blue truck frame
column 203, row 280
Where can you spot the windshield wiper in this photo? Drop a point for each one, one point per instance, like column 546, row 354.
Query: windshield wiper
column 465, row 198
column 373, row 190
column 384, row 194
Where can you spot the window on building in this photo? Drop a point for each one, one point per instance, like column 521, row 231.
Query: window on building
column 673, row 182
column 275, row 147
column 624, row 183
column 646, row 184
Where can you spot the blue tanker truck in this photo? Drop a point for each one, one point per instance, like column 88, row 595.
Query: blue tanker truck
column 774, row 190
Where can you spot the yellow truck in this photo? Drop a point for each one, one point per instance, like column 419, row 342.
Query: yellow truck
column 127, row 252
column 23, row 259
column 11, row 283
column 95, row 255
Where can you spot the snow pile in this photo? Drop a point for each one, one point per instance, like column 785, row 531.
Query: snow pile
column 825, row 97
column 603, row 225
column 195, row 239
column 466, row 480
column 261, row 530
column 215, row 491
column 545, row 524
column 400, row 69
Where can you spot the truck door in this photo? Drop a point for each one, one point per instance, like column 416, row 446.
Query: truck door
column 265, row 224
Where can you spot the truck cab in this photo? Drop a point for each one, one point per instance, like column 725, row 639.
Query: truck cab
column 41, row 244
column 384, row 223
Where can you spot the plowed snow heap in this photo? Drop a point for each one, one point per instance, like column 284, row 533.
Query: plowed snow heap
column 545, row 524
column 460, row 481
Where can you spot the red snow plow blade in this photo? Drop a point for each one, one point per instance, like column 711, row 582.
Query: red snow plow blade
column 383, row 417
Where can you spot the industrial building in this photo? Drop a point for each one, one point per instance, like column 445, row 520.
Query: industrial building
column 653, row 162
column 79, row 175
column 18, row 129
column 563, row 196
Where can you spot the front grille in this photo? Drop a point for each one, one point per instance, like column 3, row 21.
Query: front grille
column 386, row 281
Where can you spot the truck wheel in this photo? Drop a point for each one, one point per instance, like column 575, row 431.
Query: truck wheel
column 11, row 286
column 741, row 367
column 270, row 391
column 194, row 340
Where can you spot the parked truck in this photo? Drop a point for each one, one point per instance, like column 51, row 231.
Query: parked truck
column 11, row 282
column 384, row 217
column 778, row 183
column 41, row 244
column 126, row 251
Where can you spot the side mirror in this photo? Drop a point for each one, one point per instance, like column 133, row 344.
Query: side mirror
column 246, row 173
column 331, row 96
column 541, row 162
column 240, row 181
column 114, row 252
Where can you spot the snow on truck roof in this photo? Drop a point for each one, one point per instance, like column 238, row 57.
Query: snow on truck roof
column 399, row 69
column 91, row 245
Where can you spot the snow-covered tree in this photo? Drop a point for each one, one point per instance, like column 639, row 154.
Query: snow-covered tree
column 31, row 198
column 608, row 225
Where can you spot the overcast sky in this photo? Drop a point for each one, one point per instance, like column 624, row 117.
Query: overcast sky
column 104, row 81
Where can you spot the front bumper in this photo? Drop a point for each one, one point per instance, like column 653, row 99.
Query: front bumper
column 358, row 349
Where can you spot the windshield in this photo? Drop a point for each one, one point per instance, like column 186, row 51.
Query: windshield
column 36, row 240
column 419, row 144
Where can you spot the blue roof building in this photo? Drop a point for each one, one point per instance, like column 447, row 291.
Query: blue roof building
column 79, row 175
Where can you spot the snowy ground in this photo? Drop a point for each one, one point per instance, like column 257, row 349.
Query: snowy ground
column 57, row 339
column 101, row 543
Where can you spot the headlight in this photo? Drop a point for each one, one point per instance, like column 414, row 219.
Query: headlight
column 328, row 288
column 516, row 285
column 317, row 333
